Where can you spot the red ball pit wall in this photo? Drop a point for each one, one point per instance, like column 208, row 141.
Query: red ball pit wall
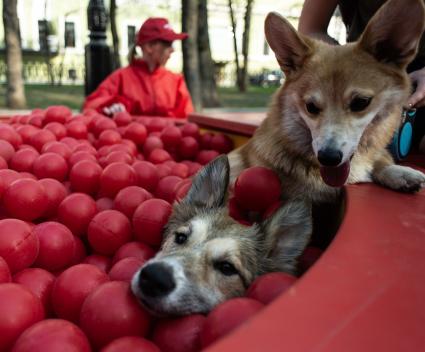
column 366, row 291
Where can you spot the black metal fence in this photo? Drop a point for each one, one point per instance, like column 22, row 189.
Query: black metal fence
column 42, row 72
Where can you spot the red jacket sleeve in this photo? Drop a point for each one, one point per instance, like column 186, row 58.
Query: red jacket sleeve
column 108, row 93
column 184, row 104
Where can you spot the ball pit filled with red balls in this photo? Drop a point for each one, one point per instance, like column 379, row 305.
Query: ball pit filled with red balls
column 83, row 201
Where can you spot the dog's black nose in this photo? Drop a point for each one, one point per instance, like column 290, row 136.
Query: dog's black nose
column 156, row 280
column 329, row 157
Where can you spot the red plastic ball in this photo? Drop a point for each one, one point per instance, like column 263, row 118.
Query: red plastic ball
column 5, row 275
column 36, row 120
column 57, row 246
column 171, row 136
column 226, row 317
column 25, row 199
column 152, row 143
column 119, row 156
column 108, row 231
column 130, row 343
column 26, row 132
column 125, row 269
column 156, row 124
column 111, row 312
column 18, row 245
column 180, row 170
column 179, row 334
column 23, row 159
column 6, row 150
column 257, row 188
column 129, row 198
column 85, row 176
column 205, row 140
column 182, row 188
column 39, row 282
column 76, row 212
column 20, row 309
column 191, row 130
column 50, row 165
column 57, row 147
column 102, row 262
column 77, row 130
column 269, row 286
column 188, row 148
column 222, row 143
column 104, row 203
column 55, row 192
column 122, row 118
column 40, row 138
column 80, row 156
column 136, row 132
column 7, row 133
column 115, row 177
column 57, row 129
column 158, row 156
column 68, row 297
column 69, row 141
column 149, row 220
column 3, row 163
column 57, row 113
column 108, row 137
column 7, row 177
column 103, row 124
column 147, row 175
column 167, row 188
column 205, row 156
column 137, row 250
column 80, row 251
column 84, row 147
column 52, row 335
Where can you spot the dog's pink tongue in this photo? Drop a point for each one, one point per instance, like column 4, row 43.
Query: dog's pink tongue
column 335, row 176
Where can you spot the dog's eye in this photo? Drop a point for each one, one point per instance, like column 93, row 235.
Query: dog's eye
column 180, row 238
column 312, row 108
column 225, row 268
column 359, row 103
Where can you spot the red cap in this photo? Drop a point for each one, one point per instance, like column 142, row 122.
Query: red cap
column 156, row 28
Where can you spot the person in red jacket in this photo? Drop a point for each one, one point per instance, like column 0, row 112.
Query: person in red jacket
column 145, row 86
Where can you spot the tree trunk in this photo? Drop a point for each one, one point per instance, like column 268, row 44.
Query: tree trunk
column 190, row 51
column 116, row 62
column 206, row 64
column 15, row 94
column 235, row 44
column 245, row 46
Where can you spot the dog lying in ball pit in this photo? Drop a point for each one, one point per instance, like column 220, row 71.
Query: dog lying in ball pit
column 208, row 257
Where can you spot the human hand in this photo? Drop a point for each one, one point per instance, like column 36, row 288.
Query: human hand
column 113, row 109
column 417, row 99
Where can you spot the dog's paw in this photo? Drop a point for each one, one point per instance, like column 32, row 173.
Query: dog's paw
column 401, row 178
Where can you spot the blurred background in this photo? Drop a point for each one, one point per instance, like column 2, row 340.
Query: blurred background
column 53, row 37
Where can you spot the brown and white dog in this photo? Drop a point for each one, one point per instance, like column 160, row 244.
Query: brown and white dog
column 339, row 107
column 328, row 125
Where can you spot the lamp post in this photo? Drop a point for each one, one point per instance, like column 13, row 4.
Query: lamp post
column 97, row 53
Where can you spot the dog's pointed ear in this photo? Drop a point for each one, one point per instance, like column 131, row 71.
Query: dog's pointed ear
column 209, row 186
column 290, row 49
column 288, row 231
column 393, row 33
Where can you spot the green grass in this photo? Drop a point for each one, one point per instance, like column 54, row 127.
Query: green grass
column 42, row 96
